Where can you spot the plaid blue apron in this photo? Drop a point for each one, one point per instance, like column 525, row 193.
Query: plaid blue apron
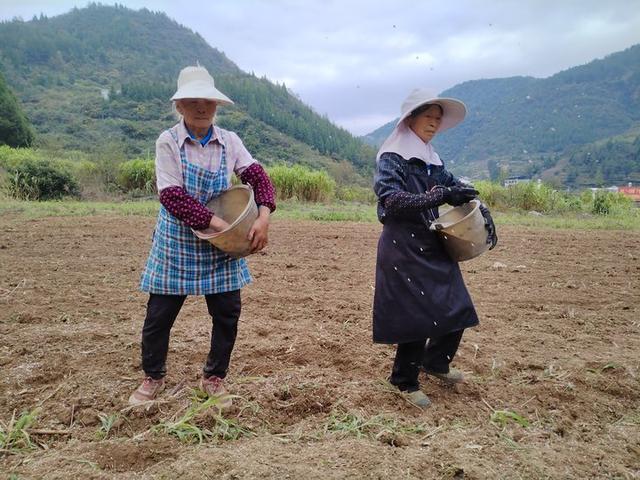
column 179, row 262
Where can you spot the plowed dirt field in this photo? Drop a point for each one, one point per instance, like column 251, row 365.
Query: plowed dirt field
column 552, row 371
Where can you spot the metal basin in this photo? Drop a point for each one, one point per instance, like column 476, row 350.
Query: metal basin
column 238, row 208
column 462, row 231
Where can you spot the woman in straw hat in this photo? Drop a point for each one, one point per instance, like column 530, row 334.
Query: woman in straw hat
column 194, row 163
column 420, row 301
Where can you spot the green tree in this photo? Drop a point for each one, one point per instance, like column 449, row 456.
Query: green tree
column 15, row 130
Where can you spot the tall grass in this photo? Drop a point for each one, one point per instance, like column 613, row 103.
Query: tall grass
column 302, row 183
column 543, row 198
column 137, row 175
column 302, row 193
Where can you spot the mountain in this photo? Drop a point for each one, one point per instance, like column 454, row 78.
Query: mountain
column 528, row 124
column 611, row 161
column 100, row 78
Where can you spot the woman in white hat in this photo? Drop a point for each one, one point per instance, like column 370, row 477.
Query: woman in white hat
column 194, row 163
column 420, row 301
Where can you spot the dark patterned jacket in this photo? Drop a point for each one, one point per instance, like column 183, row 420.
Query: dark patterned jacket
column 405, row 188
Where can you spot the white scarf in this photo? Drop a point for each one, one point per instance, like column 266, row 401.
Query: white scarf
column 407, row 144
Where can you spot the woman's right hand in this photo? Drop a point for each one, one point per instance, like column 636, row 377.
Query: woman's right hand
column 217, row 224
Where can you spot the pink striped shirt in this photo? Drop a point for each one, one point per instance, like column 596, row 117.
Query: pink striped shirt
column 169, row 170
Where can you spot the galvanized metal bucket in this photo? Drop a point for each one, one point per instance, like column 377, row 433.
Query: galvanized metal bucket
column 238, row 208
column 462, row 230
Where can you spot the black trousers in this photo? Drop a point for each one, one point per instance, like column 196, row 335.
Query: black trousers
column 434, row 356
column 162, row 311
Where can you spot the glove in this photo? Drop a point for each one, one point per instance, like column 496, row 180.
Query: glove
column 492, row 237
column 463, row 183
column 458, row 195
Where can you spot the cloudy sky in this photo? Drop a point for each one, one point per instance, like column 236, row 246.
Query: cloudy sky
column 355, row 60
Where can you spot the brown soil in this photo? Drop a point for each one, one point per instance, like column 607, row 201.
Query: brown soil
column 557, row 350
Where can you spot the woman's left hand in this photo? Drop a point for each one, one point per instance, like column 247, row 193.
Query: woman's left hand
column 259, row 233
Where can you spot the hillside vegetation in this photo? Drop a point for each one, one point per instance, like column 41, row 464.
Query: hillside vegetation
column 97, row 80
column 15, row 130
column 101, row 77
column 528, row 125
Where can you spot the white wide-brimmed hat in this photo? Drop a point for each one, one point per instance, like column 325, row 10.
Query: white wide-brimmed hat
column 196, row 82
column 453, row 111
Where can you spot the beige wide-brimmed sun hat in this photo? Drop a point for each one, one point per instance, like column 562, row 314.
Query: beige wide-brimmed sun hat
column 196, row 82
column 453, row 111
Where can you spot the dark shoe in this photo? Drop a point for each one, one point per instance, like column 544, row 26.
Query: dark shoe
column 147, row 391
column 417, row 398
column 214, row 388
column 453, row 377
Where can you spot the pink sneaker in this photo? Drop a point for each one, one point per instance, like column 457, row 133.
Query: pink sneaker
column 147, row 391
column 214, row 388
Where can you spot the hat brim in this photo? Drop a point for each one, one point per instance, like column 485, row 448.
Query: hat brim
column 201, row 90
column 453, row 111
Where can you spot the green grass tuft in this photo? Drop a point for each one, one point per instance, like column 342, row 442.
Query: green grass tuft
column 203, row 421
column 14, row 436
column 502, row 417
column 357, row 424
column 107, row 423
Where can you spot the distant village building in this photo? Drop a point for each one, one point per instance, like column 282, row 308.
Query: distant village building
column 630, row 191
column 595, row 190
column 105, row 93
column 515, row 180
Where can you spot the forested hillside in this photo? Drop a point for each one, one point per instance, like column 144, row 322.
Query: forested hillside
column 101, row 77
column 527, row 124
column 614, row 161
column 15, row 130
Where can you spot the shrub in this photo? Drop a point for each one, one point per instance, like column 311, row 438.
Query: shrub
column 492, row 193
column 606, row 203
column 137, row 175
column 523, row 196
column 84, row 171
column 528, row 196
column 40, row 180
column 302, row 183
column 601, row 204
column 533, row 196
column 12, row 157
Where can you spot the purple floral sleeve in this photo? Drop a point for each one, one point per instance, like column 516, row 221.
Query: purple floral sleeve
column 263, row 189
column 186, row 208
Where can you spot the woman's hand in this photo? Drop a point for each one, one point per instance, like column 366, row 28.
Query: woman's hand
column 259, row 233
column 492, row 237
column 217, row 224
column 458, row 195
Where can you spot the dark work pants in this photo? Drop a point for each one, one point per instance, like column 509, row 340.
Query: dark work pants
column 162, row 311
column 434, row 356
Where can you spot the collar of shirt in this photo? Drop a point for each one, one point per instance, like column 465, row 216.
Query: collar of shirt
column 212, row 135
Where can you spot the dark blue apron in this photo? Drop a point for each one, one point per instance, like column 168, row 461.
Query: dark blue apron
column 419, row 291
